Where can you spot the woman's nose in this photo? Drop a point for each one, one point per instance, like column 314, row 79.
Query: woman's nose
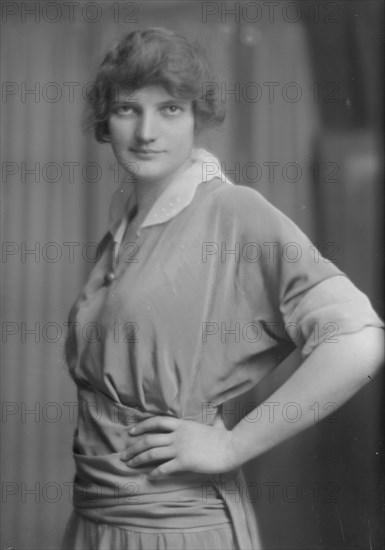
column 146, row 127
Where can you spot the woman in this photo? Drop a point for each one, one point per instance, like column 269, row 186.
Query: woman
column 201, row 289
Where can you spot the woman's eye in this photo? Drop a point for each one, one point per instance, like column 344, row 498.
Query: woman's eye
column 172, row 109
column 124, row 110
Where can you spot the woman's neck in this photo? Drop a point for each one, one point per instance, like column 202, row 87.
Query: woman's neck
column 147, row 193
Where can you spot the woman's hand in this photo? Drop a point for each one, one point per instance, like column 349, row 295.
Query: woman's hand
column 181, row 445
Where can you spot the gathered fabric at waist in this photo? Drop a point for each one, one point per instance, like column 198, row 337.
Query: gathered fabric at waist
column 103, row 423
column 109, row 491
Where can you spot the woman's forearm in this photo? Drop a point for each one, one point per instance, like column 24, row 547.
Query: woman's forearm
column 331, row 375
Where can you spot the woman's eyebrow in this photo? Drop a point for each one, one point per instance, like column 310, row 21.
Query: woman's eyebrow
column 172, row 101
column 136, row 102
column 124, row 99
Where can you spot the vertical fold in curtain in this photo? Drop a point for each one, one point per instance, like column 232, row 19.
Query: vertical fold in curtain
column 279, row 136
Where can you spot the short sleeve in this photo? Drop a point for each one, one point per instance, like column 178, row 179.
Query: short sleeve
column 309, row 296
column 332, row 307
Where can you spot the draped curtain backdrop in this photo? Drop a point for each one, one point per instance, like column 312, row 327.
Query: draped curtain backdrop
column 303, row 93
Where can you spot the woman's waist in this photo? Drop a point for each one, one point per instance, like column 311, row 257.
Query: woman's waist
column 110, row 475
column 103, row 423
column 98, row 405
column 107, row 490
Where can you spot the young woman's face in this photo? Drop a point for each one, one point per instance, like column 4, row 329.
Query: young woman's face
column 152, row 133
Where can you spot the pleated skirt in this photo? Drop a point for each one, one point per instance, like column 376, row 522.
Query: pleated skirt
column 84, row 534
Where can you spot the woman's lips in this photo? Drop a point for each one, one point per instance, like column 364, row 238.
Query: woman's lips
column 145, row 151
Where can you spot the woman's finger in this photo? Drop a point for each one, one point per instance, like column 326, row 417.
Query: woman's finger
column 155, row 423
column 168, row 468
column 145, row 442
column 152, row 455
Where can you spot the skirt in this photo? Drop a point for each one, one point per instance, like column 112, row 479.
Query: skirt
column 84, row 534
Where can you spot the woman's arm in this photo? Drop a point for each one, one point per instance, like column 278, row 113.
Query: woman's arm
column 332, row 373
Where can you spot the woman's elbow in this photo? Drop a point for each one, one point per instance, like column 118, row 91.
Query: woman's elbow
column 367, row 347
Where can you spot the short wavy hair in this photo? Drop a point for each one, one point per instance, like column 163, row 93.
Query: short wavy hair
column 155, row 56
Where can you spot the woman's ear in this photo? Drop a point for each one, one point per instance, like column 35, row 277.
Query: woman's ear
column 103, row 132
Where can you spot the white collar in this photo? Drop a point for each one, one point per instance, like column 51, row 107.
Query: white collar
column 177, row 195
